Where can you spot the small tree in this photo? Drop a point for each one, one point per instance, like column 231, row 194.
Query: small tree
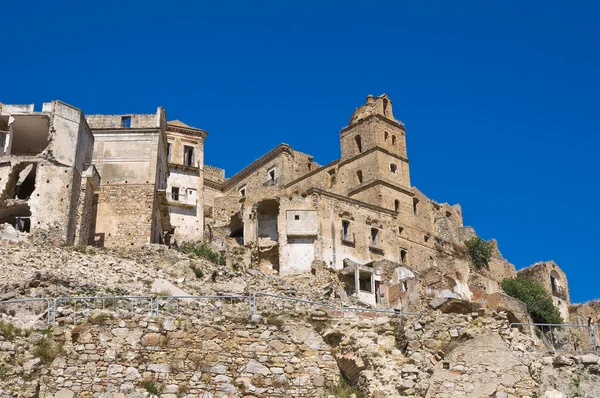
column 480, row 251
column 536, row 298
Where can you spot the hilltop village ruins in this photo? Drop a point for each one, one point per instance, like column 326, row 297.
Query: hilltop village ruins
column 126, row 180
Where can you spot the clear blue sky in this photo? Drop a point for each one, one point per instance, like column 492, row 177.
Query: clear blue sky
column 500, row 98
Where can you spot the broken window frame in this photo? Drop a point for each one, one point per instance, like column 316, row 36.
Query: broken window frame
column 188, row 155
column 374, row 237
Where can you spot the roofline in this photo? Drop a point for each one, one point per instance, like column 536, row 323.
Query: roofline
column 258, row 163
column 187, row 130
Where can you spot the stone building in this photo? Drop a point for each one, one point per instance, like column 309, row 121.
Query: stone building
column 48, row 185
column 185, row 154
column 358, row 216
column 130, row 153
column 554, row 281
column 354, row 214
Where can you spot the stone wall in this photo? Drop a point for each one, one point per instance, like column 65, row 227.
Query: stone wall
column 124, row 215
column 220, row 357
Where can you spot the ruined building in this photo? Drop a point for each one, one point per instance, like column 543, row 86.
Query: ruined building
column 48, row 184
column 130, row 152
column 358, row 216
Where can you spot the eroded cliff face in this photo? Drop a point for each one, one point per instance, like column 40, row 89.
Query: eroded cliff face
column 220, row 348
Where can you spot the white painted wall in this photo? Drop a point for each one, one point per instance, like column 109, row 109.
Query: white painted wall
column 298, row 256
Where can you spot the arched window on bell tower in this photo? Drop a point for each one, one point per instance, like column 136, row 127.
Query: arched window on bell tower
column 358, row 144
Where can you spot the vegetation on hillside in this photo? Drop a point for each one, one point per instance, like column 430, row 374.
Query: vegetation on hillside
column 480, row 251
column 203, row 250
column 536, row 298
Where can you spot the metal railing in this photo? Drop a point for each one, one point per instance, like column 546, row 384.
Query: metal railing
column 171, row 304
column 134, row 304
column 379, row 311
column 284, row 303
column 561, row 337
column 25, row 309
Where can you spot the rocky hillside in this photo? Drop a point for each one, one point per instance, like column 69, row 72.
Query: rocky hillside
column 219, row 348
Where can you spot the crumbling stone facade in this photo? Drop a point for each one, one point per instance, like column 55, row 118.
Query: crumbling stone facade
column 47, row 180
column 285, row 214
column 554, row 281
column 131, row 155
column 291, row 212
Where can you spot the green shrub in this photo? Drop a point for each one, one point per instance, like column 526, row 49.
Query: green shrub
column 8, row 331
column 344, row 390
column 536, row 298
column 151, row 387
column 197, row 271
column 480, row 251
column 47, row 350
column 203, row 250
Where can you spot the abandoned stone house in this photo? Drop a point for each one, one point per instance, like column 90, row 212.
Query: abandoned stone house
column 358, row 215
column 48, row 184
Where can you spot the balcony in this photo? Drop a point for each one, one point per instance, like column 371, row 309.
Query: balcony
column 180, row 199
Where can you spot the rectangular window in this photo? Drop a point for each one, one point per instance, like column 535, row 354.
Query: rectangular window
column 169, row 147
column 374, row 237
column 415, row 203
column 242, row 191
column 188, row 155
column 272, row 174
column 126, row 122
column 175, row 193
column 364, row 284
column 402, row 256
column 345, row 230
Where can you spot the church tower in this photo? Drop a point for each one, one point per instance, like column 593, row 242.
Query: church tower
column 374, row 158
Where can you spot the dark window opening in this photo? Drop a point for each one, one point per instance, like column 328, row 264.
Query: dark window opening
column 359, row 176
column 386, row 136
column 331, row 177
column 426, row 238
column 243, row 191
column 374, row 237
column 448, row 214
column 188, row 155
column 393, row 168
column 403, row 256
column 297, row 217
column 393, row 140
column 358, row 144
column 385, row 106
column 126, row 122
column 169, row 146
column 309, row 166
column 272, row 175
column 415, row 203
column 364, row 284
column 26, row 182
column 345, row 230
column 175, row 193
column 236, row 228
column 400, row 229
column 396, row 205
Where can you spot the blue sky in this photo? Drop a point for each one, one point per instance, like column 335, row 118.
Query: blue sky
column 499, row 97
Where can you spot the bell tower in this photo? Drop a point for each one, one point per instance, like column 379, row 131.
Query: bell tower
column 374, row 155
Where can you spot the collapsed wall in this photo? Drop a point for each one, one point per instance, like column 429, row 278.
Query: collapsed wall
column 47, row 181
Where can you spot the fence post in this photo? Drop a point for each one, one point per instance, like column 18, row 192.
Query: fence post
column 252, row 303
